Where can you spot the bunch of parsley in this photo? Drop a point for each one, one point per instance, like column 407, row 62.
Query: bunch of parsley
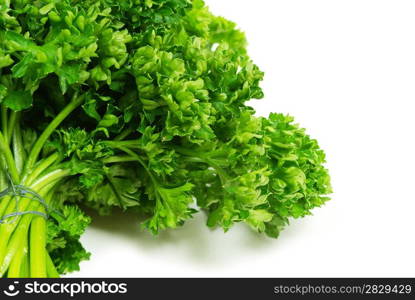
column 137, row 105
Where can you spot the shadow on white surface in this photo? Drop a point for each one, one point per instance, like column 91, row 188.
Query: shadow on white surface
column 194, row 241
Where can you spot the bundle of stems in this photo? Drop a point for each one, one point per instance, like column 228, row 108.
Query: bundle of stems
column 23, row 229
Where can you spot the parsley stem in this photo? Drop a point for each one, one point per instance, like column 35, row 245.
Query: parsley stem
column 4, row 119
column 50, row 267
column 15, row 269
column 138, row 158
column 24, row 270
column 18, row 149
column 42, row 186
column 14, row 116
column 34, row 153
column 4, row 203
column 118, row 158
column 8, row 155
column 117, row 144
column 8, row 251
column 3, row 177
column 50, row 178
column 124, row 134
column 41, row 167
column 199, row 157
column 38, row 246
column 12, row 233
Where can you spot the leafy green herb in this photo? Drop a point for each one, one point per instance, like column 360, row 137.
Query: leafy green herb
column 139, row 106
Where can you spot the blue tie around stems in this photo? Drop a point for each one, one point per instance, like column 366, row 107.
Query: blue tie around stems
column 22, row 191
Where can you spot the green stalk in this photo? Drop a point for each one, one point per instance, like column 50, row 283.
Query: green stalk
column 15, row 242
column 4, row 203
column 17, row 264
column 49, row 179
column 3, row 177
column 38, row 247
column 4, row 118
column 36, row 186
column 6, row 230
column 128, row 143
column 139, row 159
column 40, row 168
column 118, row 159
column 18, row 149
column 34, row 153
column 18, row 156
column 3, row 186
column 13, row 234
column 50, row 267
column 8, row 155
column 24, row 271
column 14, row 116
column 124, row 134
column 150, row 174
column 44, row 185
column 198, row 157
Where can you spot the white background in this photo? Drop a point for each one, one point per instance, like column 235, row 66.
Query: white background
column 346, row 71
